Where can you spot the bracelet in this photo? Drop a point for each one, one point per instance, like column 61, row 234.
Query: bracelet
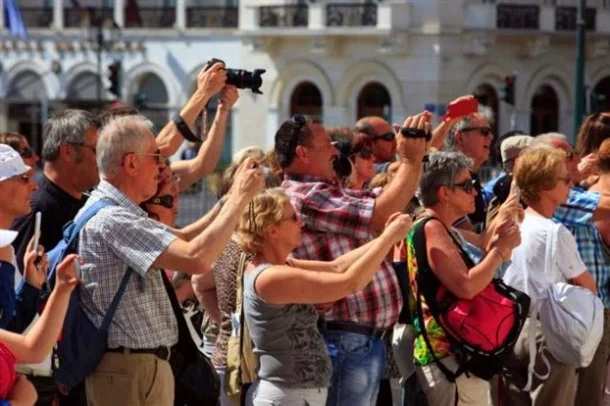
column 499, row 253
column 184, row 129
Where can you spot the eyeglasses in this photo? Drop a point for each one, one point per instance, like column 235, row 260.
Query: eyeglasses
column 467, row 186
column 26, row 153
column 166, row 201
column 159, row 158
column 364, row 153
column 484, row 131
column 386, row 137
column 83, row 145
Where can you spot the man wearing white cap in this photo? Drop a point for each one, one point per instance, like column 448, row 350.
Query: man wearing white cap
column 16, row 190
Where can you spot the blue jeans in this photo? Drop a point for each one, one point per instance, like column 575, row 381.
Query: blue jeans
column 358, row 366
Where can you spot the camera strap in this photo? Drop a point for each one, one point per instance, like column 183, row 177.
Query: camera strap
column 184, row 128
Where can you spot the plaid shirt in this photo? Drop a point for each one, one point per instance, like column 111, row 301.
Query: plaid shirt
column 577, row 216
column 118, row 237
column 338, row 221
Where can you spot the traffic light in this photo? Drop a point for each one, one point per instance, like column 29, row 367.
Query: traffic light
column 509, row 89
column 114, row 75
column 596, row 102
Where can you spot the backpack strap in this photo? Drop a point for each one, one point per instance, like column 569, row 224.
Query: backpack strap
column 116, row 300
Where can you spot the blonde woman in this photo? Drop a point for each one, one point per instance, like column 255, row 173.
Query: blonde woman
column 280, row 293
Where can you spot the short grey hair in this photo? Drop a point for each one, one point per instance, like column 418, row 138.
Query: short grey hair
column 548, row 138
column 67, row 127
column 440, row 170
column 120, row 136
column 484, row 112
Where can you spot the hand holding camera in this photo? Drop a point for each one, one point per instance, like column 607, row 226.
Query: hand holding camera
column 212, row 78
column 240, row 78
column 413, row 136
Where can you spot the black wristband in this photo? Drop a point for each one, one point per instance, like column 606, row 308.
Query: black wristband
column 184, row 129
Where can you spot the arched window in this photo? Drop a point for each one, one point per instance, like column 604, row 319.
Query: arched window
column 151, row 98
column 544, row 111
column 374, row 100
column 306, row 99
column 84, row 87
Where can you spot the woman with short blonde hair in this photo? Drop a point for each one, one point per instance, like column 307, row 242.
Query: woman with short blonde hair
column 280, row 293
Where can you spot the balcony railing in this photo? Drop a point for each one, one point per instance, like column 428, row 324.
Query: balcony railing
column 283, row 16
column 212, row 17
column 565, row 18
column 35, row 17
column 79, row 17
column 150, row 17
column 518, row 17
column 351, row 15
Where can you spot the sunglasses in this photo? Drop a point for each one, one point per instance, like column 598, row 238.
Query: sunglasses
column 386, row 137
column 166, row 201
column 467, row 186
column 26, row 153
column 364, row 153
column 484, row 131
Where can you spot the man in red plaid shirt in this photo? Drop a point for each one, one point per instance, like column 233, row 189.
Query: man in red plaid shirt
column 339, row 220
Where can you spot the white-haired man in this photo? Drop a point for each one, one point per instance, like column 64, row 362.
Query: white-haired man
column 121, row 238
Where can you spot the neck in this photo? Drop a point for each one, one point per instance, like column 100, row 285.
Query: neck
column 297, row 170
column 63, row 177
column 543, row 208
column 603, row 184
column 131, row 193
column 273, row 254
column 6, row 220
column 445, row 216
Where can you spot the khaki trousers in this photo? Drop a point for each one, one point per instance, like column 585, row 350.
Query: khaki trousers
column 559, row 389
column 439, row 391
column 592, row 380
column 131, row 379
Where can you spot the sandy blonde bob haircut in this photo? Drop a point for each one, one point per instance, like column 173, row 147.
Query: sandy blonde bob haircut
column 537, row 170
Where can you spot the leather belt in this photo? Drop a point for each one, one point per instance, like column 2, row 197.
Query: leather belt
column 351, row 328
column 160, row 352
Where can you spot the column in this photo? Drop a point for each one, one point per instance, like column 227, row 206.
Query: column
column 119, row 13
column 180, row 14
column 58, row 14
column 2, row 14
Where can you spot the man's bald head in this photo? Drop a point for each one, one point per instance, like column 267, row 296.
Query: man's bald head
column 380, row 133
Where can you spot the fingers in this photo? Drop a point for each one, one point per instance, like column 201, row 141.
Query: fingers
column 215, row 67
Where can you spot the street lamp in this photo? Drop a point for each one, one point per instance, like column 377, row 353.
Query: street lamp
column 103, row 34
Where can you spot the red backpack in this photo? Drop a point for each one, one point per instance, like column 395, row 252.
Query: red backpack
column 482, row 330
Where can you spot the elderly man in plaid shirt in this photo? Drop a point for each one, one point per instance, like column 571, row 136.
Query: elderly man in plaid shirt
column 579, row 214
column 337, row 221
column 121, row 238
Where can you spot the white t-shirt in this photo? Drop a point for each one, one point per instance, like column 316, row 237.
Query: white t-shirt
column 531, row 255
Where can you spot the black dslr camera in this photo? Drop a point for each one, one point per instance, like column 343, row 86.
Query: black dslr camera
column 241, row 78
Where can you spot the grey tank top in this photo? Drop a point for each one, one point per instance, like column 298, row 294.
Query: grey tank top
column 289, row 347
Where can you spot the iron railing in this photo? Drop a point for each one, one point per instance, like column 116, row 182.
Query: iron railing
column 212, row 17
column 37, row 17
column 351, row 15
column 284, row 16
column 150, row 17
column 518, row 17
column 565, row 18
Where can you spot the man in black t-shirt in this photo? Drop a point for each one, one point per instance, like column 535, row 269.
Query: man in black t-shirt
column 70, row 170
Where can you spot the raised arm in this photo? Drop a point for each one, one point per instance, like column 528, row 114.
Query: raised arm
column 192, row 170
column 198, row 255
column 284, row 284
column 396, row 196
column 38, row 342
column 208, row 84
column 441, row 131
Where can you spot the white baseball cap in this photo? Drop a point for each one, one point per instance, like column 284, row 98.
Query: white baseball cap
column 11, row 163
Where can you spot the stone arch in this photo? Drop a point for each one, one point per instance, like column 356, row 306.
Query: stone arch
column 361, row 74
column 134, row 76
column 50, row 83
column 556, row 78
column 486, row 73
column 74, row 73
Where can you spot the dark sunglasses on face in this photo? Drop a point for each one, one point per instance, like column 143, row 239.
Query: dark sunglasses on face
column 467, row 186
column 166, row 201
column 386, row 137
column 484, row 131
column 26, row 153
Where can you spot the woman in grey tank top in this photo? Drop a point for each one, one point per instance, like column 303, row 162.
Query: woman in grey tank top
column 280, row 293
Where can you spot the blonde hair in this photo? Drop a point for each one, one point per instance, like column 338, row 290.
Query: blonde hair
column 536, row 170
column 266, row 209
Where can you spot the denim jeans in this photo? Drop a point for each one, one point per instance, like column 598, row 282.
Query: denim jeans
column 358, row 366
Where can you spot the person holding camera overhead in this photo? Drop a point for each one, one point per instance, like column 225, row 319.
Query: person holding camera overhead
column 336, row 221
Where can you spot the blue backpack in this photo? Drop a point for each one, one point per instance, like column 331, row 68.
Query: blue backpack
column 82, row 345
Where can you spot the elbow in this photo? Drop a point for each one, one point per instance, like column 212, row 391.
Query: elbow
column 465, row 290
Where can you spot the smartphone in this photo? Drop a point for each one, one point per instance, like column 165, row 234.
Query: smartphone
column 463, row 108
column 37, row 222
column 78, row 269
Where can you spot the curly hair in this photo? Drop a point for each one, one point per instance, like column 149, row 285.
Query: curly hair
column 265, row 210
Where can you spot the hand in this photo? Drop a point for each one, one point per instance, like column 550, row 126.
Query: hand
column 413, row 149
column 506, row 237
column 249, row 180
column 398, row 226
column 36, row 265
column 512, row 208
column 66, row 278
column 588, row 166
column 212, row 80
column 228, row 97
column 23, row 392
